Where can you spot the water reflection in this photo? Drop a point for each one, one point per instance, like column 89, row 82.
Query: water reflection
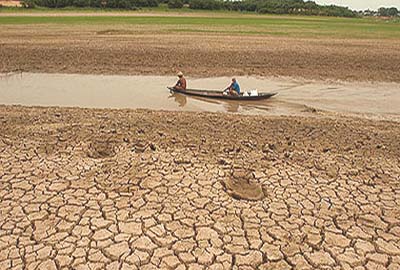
column 179, row 98
column 232, row 106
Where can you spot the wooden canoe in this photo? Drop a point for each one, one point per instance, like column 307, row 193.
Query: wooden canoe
column 219, row 94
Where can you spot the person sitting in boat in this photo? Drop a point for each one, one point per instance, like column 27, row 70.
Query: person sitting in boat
column 181, row 83
column 233, row 88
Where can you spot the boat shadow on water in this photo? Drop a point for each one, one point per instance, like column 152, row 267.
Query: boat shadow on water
column 229, row 105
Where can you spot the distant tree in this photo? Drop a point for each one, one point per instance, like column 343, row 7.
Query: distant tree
column 206, row 4
column 382, row 11
column 80, row 3
column 97, row 3
column 175, row 4
column 144, row 3
column 28, row 3
column 393, row 12
column 388, row 12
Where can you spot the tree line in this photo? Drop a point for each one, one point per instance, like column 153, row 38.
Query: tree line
column 381, row 12
column 274, row 7
column 300, row 7
column 120, row 4
column 388, row 12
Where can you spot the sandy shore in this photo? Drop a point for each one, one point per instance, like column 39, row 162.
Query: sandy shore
column 167, row 190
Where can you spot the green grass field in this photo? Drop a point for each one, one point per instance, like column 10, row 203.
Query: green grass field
column 230, row 23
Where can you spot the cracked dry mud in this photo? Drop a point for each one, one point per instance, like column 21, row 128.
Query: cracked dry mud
column 123, row 189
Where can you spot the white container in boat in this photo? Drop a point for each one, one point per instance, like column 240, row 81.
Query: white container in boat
column 245, row 94
column 253, row 93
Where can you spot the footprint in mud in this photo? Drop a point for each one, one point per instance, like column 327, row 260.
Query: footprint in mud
column 101, row 149
column 241, row 186
column 309, row 109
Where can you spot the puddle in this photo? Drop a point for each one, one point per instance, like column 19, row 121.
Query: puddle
column 377, row 100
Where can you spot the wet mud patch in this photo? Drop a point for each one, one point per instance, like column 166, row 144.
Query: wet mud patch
column 241, row 185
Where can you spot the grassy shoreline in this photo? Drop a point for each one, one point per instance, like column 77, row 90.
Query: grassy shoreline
column 229, row 23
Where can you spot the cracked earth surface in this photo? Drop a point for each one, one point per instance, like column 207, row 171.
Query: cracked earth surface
column 123, row 189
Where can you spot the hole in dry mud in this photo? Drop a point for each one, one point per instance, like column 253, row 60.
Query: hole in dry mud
column 241, row 186
column 101, row 149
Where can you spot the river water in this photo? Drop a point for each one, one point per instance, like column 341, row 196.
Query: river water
column 295, row 96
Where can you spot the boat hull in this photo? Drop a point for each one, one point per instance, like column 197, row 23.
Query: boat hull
column 219, row 94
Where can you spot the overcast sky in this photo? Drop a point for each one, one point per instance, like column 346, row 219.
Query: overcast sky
column 362, row 4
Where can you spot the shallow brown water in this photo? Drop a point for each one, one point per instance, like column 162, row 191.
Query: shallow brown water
column 376, row 100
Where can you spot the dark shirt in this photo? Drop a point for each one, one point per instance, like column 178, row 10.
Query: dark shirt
column 181, row 83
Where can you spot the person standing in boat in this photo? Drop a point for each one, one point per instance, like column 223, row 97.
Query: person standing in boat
column 181, row 83
column 233, row 88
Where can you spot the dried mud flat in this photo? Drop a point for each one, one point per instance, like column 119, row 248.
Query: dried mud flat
column 163, row 49
column 124, row 189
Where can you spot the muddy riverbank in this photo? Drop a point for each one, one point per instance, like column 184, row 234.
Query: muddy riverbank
column 163, row 49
